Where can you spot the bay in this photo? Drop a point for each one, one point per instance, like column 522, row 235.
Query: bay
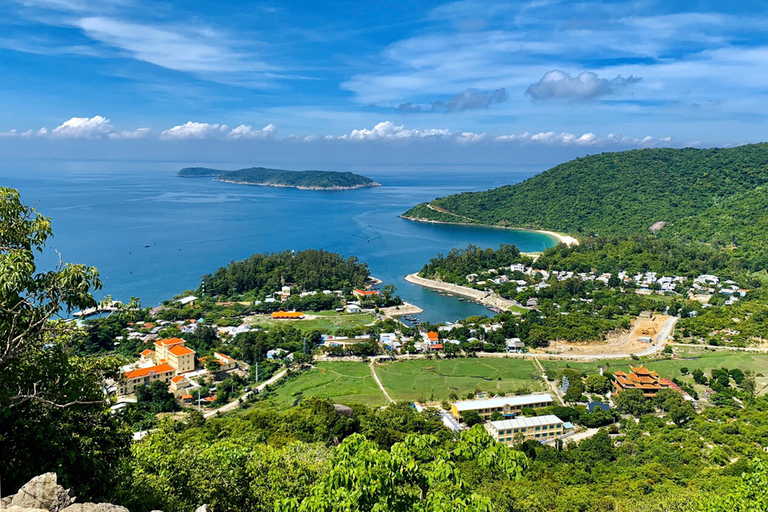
column 153, row 236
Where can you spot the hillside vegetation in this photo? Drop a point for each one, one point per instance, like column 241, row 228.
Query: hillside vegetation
column 316, row 180
column 712, row 195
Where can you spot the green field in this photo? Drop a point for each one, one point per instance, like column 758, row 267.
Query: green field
column 342, row 382
column 326, row 321
column 691, row 358
column 424, row 379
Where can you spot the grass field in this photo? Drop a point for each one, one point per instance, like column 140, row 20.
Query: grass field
column 326, row 321
column 342, row 382
column 691, row 358
column 419, row 380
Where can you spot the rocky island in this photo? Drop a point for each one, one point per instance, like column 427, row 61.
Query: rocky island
column 304, row 180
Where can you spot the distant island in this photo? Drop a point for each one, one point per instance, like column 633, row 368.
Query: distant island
column 304, row 180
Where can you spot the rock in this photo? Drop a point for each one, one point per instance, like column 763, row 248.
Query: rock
column 5, row 502
column 43, row 492
column 203, row 508
column 343, row 409
column 23, row 509
column 95, row 507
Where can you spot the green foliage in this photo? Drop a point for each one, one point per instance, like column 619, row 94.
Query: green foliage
column 458, row 263
column 471, row 418
column 632, row 401
column 281, row 178
column 419, row 474
column 616, row 193
column 262, row 274
column 53, row 413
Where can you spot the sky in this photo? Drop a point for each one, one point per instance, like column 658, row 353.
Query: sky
column 379, row 80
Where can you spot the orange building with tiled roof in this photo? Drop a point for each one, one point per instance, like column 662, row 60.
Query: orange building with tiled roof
column 640, row 378
column 143, row 376
column 174, row 352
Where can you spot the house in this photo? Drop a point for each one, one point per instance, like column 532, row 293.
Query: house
column 287, row 315
column 226, row 362
column 353, row 308
column 532, row 302
column 430, row 337
column 640, row 378
column 538, row 428
column 275, row 353
column 143, row 377
column 364, row 293
column 186, row 399
column 507, row 406
column 514, row 344
column 179, row 382
column 186, row 300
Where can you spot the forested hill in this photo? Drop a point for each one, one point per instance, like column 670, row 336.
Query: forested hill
column 308, row 180
column 623, row 193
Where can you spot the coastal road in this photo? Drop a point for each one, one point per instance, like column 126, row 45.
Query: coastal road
column 378, row 382
column 231, row 406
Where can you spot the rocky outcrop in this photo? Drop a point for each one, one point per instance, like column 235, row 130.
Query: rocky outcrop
column 44, row 494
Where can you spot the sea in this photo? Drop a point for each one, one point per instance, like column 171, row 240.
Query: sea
column 153, row 236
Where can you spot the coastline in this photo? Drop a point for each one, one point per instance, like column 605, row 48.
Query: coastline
column 560, row 237
column 299, row 187
column 490, row 300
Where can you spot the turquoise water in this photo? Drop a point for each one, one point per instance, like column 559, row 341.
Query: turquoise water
column 152, row 235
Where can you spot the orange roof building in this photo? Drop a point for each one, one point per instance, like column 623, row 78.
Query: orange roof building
column 640, row 378
column 288, row 315
column 144, row 376
column 432, row 336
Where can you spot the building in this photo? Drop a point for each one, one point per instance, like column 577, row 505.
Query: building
column 364, row 293
column 507, row 406
column 143, row 377
column 180, row 382
column 174, row 352
column 287, row 315
column 226, row 362
column 538, row 428
column 639, row 378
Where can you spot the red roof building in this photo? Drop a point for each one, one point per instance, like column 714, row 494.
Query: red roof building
column 640, row 378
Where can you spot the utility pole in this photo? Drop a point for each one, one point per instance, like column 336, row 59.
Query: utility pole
column 256, row 365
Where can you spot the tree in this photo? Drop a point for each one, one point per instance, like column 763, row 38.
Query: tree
column 632, row 401
column 471, row 418
column 698, row 377
column 596, row 383
column 418, row 474
column 52, row 407
column 496, row 416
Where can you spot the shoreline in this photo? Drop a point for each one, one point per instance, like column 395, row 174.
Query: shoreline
column 299, row 187
column 560, row 237
column 489, row 300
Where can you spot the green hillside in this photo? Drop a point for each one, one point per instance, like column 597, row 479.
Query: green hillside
column 627, row 192
column 315, row 180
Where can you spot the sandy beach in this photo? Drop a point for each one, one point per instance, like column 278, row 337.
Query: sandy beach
column 485, row 298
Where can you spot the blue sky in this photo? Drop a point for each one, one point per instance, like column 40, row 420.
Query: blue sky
column 537, row 75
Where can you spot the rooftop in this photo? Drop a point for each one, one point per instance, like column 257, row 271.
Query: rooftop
column 180, row 350
column 472, row 405
column 143, row 372
column 535, row 421
column 170, row 341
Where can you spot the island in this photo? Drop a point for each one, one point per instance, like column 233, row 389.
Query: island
column 303, row 180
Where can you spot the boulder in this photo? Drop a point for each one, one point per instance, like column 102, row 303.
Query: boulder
column 5, row 502
column 43, row 492
column 203, row 508
column 23, row 509
column 95, row 507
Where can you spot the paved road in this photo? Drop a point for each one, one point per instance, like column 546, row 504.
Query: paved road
column 381, row 387
column 235, row 404
column 720, row 347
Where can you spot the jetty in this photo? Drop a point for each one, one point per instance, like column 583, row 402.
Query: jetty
column 107, row 307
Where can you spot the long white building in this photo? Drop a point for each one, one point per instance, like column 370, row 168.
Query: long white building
column 507, row 406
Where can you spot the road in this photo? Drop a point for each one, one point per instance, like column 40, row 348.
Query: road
column 381, row 387
column 552, row 385
column 720, row 347
column 235, row 404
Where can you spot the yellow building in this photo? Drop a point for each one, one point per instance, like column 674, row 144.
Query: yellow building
column 507, row 406
column 143, row 377
column 174, row 352
column 538, row 428
column 180, row 382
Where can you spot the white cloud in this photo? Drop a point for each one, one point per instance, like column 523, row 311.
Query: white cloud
column 193, row 130
column 82, row 128
column 471, row 137
column 558, row 85
column 388, row 130
column 139, row 133
column 9, row 133
column 248, row 132
column 586, row 139
column 181, row 48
